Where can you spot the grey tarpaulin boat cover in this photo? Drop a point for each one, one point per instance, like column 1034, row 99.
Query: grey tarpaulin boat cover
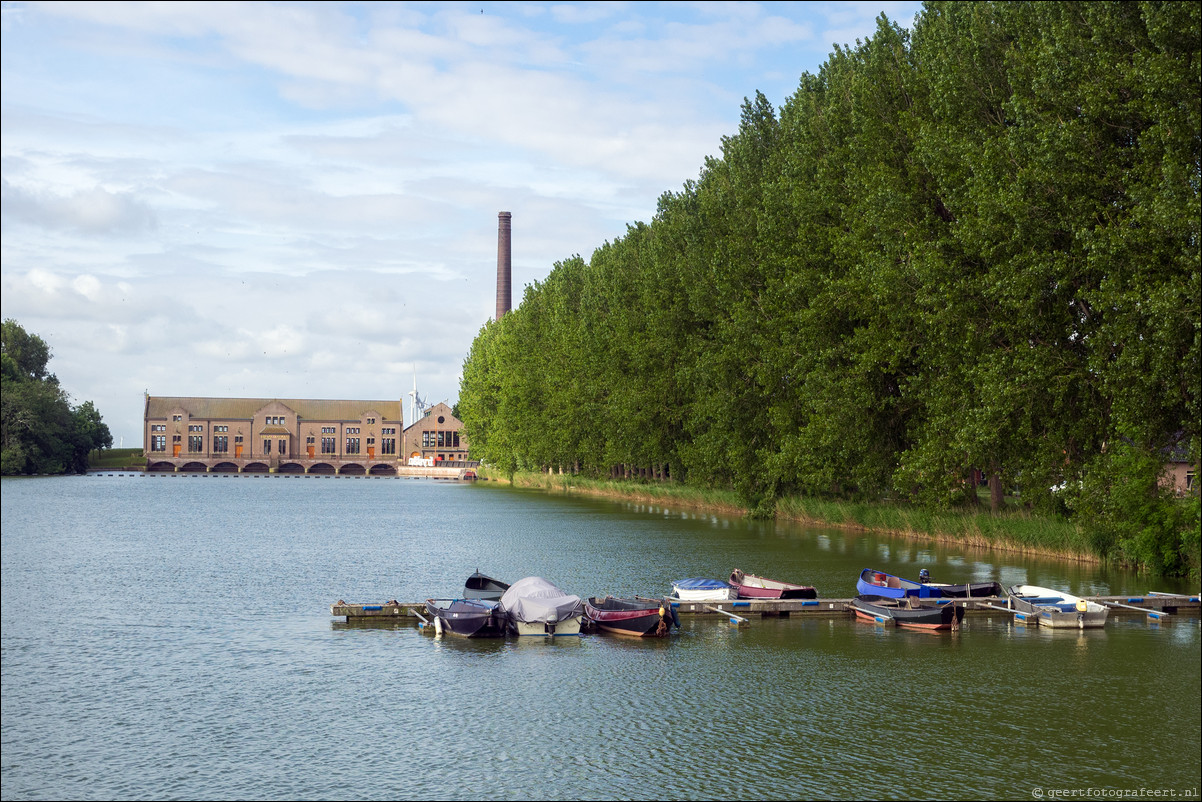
column 534, row 600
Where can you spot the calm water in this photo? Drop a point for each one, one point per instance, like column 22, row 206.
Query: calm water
column 170, row 638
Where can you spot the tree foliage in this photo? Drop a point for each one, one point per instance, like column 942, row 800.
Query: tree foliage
column 967, row 250
column 41, row 432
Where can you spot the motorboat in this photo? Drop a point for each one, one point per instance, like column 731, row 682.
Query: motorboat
column 534, row 606
column 879, row 583
column 1056, row 609
column 471, row 618
column 749, row 586
column 699, row 589
column 635, row 617
column 480, row 586
column 910, row 612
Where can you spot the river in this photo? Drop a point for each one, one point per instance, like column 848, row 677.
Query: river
column 169, row 637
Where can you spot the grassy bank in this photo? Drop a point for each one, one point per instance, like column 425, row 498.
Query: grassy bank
column 116, row 458
column 1017, row 531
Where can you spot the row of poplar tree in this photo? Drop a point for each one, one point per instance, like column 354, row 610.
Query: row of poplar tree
column 969, row 249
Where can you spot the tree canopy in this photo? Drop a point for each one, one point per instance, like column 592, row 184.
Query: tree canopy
column 42, row 433
column 970, row 249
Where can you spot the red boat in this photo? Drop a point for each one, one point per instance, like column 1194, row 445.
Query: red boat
column 757, row 587
column 636, row 617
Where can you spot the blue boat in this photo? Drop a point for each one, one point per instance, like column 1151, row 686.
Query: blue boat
column 878, row 583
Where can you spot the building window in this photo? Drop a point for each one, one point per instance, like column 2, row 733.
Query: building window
column 159, row 427
column 266, row 446
column 221, row 443
column 196, row 443
column 196, row 428
column 177, row 418
column 329, row 445
column 352, row 445
column 283, row 447
column 158, row 442
column 388, row 445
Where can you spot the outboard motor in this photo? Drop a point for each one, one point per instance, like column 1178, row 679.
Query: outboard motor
column 924, row 576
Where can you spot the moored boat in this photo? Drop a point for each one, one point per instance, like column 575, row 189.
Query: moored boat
column 636, row 617
column 698, row 589
column 471, row 618
column 480, row 586
column 534, row 606
column 878, row 583
column 975, row 590
column 749, row 586
column 908, row 612
column 1056, row 609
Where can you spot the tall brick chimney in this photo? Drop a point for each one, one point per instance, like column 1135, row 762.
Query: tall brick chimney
column 504, row 264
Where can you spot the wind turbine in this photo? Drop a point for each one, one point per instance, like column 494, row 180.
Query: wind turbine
column 416, row 402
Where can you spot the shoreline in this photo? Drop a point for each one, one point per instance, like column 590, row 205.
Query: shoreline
column 966, row 528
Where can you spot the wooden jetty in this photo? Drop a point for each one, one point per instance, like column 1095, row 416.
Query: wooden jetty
column 1154, row 605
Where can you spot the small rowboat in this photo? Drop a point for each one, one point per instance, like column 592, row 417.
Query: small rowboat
column 635, row 617
column 1058, row 610
column 479, row 586
column 878, row 583
column 703, row 590
column 749, row 586
column 908, row 612
column 471, row 618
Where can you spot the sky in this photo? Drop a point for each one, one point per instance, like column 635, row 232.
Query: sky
column 299, row 200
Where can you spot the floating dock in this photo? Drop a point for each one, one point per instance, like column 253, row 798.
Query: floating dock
column 1155, row 605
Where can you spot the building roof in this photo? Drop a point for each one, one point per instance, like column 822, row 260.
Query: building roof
column 161, row 406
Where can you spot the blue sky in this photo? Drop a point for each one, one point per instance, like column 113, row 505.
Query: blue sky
column 300, row 200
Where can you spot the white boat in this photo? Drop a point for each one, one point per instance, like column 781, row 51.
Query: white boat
column 533, row 606
column 703, row 590
column 1056, row 609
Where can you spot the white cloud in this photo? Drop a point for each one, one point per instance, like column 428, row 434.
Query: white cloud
column 277, row 199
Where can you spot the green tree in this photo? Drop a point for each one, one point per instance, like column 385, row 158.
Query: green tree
column 39, row 430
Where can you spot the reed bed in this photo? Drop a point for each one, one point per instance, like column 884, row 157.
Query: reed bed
column 1010, row 530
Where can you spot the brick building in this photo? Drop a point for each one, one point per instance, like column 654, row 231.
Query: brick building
column 272, row 435
column 436, row 436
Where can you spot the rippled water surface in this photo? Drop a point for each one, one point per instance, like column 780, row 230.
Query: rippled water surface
column 170, row 638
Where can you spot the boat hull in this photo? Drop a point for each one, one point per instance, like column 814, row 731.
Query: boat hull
column 910, row 614
column 569, row 626
column 629, row 617
column 468, row 618
column 1057, row 610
